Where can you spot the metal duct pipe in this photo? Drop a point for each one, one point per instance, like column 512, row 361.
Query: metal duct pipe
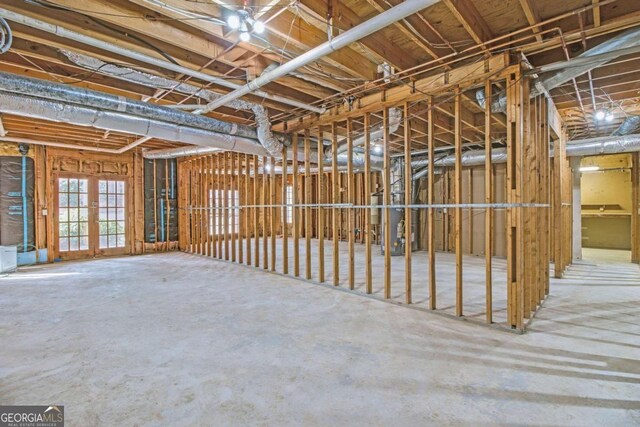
column 86, row 97
column 172, row 153
column 396, row 13
column 57, row 111
column 595, row 57
column 630, row 38
column 629, row 125
column 604, row 145
column 271, row 142
column 128, row 53
column 576, row 148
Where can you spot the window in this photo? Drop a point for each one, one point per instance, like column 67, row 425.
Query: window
column 216, row 216
column 73, row 220
column 288, row 210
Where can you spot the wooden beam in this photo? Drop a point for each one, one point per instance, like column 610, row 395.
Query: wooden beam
column 351, row 199
column 596, row 13
column 387, row 201
column 246, row 210
column 462, row 76
column 533, row 17
column 431, row 214
column 466, row 13
column 226, row 203
column 367, row 201
column 408, row 187
column 265, row 211
column 635, row 208
column 307, row 201
column 256, row 213
column 296, row 211
column 488, row 198
column 321, row 212
column 285, row 211
column 335, row 194
column 233, row 179
column 458, row 201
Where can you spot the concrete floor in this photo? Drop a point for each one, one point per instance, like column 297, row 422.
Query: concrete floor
column 181, row 340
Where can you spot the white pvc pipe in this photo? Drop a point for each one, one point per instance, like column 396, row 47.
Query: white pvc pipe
column 109, row 47
column 396, row 13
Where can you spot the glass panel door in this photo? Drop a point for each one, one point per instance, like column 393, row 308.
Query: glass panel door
column 90, row 217
column 111, row 217
column 73, row 216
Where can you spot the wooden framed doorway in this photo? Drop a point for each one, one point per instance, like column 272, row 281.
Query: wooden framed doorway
column 90, row 216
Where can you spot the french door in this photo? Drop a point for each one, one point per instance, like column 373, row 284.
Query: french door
column 90, row 217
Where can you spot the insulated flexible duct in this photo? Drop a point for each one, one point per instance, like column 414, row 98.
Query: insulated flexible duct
column 57, row 111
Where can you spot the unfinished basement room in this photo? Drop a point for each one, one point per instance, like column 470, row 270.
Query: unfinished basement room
column 319, row 212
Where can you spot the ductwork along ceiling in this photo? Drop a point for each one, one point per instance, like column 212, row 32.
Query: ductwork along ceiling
column 84, row 107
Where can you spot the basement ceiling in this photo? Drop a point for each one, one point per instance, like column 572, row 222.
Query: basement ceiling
column 439, row 35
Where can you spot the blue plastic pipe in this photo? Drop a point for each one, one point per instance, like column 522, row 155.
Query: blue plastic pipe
column 25, row 225
column 162, row 220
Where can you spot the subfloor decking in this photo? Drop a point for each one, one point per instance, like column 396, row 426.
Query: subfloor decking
column 182, row 340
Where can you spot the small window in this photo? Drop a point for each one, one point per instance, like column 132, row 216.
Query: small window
column 289, row 209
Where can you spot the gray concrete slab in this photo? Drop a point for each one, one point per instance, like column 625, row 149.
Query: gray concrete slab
column 181, row 340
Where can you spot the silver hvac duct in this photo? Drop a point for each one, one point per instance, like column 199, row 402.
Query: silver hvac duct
column 576, row 148
column 603, row 53
column 629, row 125
column 90, row 98
column 58, row 111
column 604, row 145
column 128, row 53
column 396, row 13
column 172, row 153
column 272, row 143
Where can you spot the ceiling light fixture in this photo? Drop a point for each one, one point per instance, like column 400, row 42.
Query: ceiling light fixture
column 609, row 116
column 377, row 149
column 600, row 114
column 589, row 168
column 243, row 20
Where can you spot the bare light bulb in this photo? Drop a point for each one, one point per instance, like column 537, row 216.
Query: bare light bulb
column 258, row 27
column 245, row 36
column 267, row 167
column 233, row 22
column 377, row 149
column 609, row 116
column 600, row 115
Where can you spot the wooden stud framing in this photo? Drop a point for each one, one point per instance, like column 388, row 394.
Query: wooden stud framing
column 431, row 215
column 226, row 204
column 246, row 210
column 367, row 201
column 307, row 200
column 408, row 186
column 321, row 211
column 273, row 215
column 256, row 214
column 264, row 201
column 635, row 208
column 296, row 214
column 335, row 190
column 387, row 201
column 351, row 212
column 458, row 200
column 240, row 211
column 488, row 198
column 285, row 211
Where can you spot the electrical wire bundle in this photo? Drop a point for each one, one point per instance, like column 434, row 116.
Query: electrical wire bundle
column 5, row 36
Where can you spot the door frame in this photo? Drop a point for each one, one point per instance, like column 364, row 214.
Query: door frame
column 93, row 193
